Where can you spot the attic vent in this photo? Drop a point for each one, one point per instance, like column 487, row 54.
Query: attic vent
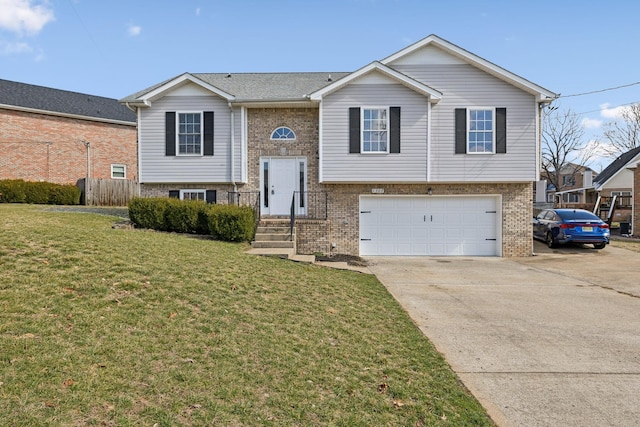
column 329, row 79
column 229, row 75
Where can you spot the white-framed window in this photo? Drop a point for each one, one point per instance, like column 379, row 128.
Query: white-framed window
column 481, row 131
column 568, row 180
column 189, row 134
column 375, row 130
column 191, row 194
column 119, row 171
column 621, row 193
column 283, row 133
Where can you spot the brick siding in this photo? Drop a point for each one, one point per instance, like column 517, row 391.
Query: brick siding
column 39, row 147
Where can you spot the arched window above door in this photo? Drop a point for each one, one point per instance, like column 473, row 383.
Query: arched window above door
column 283, row 133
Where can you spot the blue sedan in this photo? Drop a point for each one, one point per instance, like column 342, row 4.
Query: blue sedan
column 560, row 226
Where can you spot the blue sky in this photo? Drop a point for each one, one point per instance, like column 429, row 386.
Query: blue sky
column 115, row 48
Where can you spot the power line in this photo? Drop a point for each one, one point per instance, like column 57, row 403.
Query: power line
column 599, row 91
column 608, row 108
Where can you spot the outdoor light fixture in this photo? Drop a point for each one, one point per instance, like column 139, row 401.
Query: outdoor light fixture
column 429, row 191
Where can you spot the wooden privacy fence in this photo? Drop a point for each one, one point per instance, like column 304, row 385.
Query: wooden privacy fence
column 107, row 192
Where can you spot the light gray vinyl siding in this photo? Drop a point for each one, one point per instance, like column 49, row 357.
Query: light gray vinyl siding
column 464, row 86
column 156, row 167
column 338, row 165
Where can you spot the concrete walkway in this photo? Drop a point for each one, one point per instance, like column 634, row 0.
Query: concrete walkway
column 550, row 340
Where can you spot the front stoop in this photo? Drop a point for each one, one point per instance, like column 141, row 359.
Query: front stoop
column 273, row 238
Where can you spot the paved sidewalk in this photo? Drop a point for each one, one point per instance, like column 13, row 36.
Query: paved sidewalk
column 551, row 340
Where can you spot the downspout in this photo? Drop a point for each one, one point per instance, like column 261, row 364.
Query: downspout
column 86, row 183
column 233, row 157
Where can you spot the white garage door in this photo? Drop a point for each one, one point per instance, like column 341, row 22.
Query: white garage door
column 429, row 225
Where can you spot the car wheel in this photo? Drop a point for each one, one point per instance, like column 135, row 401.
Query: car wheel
column 550, row 241
column 599, row 245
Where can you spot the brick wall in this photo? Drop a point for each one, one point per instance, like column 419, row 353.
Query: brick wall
column 261, row 122
column 517, row 211
column 38, row 147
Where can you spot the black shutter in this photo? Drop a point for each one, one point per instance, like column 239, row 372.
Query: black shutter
column 174, row 194
column 461, row 130
column 170, row 133
column 501, row 130
column 210, row 196
column 394, row 131
column 354, row 130
column 208, row 133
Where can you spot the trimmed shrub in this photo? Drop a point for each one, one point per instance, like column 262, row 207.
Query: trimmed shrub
column 232, row 223
column 148, row 212
column 20, row 191
column 13, row 191
column 182, row 216
column 64, row 194
column 225, row 222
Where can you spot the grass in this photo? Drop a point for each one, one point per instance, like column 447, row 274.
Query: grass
column 631, row 245
column 102, row 326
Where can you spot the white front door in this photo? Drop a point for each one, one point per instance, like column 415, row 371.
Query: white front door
column 281, row 179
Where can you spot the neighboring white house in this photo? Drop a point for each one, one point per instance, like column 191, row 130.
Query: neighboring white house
column 430, row 151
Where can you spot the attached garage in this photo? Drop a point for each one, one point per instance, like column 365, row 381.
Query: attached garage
column 430, row 225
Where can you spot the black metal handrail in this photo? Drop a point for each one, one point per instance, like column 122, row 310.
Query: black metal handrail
column 292, row 218
column 310, row 204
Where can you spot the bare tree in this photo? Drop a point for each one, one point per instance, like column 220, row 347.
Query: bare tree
column 564, row 151
column 624, row 134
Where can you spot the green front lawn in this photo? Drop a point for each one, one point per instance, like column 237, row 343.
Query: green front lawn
column 103, row 326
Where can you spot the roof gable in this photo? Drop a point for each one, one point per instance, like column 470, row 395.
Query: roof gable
column 435, row 50
column 146, row 98
column 387, row 72
column 45, row 100
column 615, row 167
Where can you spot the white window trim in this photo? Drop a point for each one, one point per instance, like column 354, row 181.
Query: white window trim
column 493, row 130
column 619, row 193
column 362, row 151
column 178, row 153
column 283, row 139
column 124, row 170
column 193, row 190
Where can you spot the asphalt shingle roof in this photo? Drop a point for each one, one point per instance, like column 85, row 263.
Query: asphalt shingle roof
column 62, row 101
column 616, row 165
column 260, row 86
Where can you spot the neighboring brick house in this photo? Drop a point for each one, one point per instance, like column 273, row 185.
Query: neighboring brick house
column 430, row 151
column 59, row 136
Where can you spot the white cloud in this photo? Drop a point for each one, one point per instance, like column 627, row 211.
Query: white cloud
column 25, row 16
column 588, row 123
column 12, row 48
column 134, row 30
column 611, row 113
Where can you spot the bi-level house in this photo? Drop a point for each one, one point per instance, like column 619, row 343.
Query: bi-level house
column 430, row 151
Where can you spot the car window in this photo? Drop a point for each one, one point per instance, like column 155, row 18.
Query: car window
column 549, row 216
column 578, row 215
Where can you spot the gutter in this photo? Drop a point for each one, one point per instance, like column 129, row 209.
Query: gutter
column 66, row 115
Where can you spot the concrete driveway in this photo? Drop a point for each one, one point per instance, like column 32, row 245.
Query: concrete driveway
column 550, row 340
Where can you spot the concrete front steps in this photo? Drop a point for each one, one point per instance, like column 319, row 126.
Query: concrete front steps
column 273, row 238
